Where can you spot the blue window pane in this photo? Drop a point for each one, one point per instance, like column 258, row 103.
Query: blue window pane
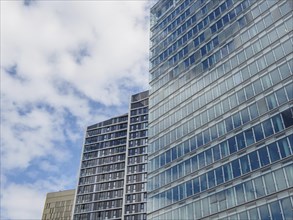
column 224, row 149
column 211, row 179
column 272, row 102
column 214, row 132
column 174, row 153
column 240, row 141
column 236, row 168
column 174, row 173
column 193, row 143
column 253, row 111
column 168, row 156
column 187, row 166
column 199, row 140
column 206, row 135
column 227, row 172
column 263, row 156
column 196, row 186
column 253, row 214
column 209, row 156
column 274, row 152
column 249, row 189
column 175, row 192
column 268, row 129
column 264, row 212
column 276, row 210
column 289, row 90
column 221, row 128
column 284, row 148
column 259, row 187
column 216, row 153
column 254, row 161
column 229, row 124
column 239, row 194
column 249, row 137
column 232, row 145
column 180, row 150
column 186, row 147
column 182, row 191
column 244, row 164
column 287, row 208
column 287, row 117
column 201, row 160
column 203, row 182
column 189, row 190
column 237, row 120
column 245, row 116
column 168, row 176
column 162, row 160
column 258, row 132
column 277, row 123
column 281, row 96
column 194, row 163
column 219, row 175
column 203, row 51
column 241, row 96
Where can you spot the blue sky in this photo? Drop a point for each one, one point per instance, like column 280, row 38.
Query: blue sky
column 64, row 66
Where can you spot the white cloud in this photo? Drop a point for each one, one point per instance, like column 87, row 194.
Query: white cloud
column 26, row 201
column 64, row 65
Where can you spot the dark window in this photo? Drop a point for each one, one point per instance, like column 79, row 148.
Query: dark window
column 216, row 152
column 287, row 117
column 254, row 161
column 268, row 129
column 244, row 164
column 263, row 156
column 276, row 210
column 258, row 132
column 196, row 185
column 219, row 175
column 203, row 182
column 274, row 152
column 236, row 168
column 232, row 145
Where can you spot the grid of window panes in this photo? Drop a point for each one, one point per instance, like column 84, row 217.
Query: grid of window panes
column 136, row 171
column 220, row 102
column 101, row 181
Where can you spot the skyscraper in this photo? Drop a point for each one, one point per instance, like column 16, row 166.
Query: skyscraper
column 112, row 178
column 220, row 110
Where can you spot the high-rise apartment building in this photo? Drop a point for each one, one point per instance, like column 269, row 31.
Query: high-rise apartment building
column 136, row 167
column 112, row 178
column 58, row 205
column 220, row 110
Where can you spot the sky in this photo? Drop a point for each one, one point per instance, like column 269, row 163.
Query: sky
column 65, row 65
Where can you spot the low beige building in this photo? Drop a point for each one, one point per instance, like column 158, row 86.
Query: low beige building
column 58, row 205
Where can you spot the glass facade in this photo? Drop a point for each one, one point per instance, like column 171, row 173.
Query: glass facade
column 221, row 110
column 113, row 174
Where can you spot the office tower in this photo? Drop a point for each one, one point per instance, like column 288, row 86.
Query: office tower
column 220, row 110
column 136, row 174
column 58, row 205
column 112, row 173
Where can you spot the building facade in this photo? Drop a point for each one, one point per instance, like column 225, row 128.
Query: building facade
column 136, row 168
column 221, row 110
column 112, row 180
column 58, row 205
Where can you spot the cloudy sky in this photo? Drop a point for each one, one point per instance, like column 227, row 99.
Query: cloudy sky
column 64, row 65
